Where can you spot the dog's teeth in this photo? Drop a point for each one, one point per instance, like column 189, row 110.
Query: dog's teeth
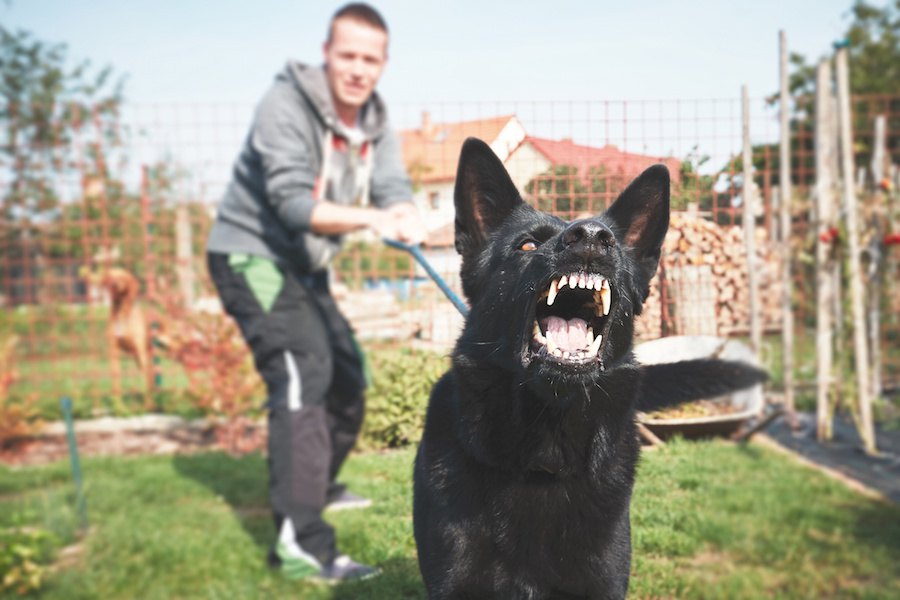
column 562, row 282
column 551, row 295
column 598, row 304
column 551, row 345
column 565, row 354
column 582, row 282
column 557, row 352
column 589, row 283
column 605, row 296
column 595, row 345
column 538, row 335
column 590, row 336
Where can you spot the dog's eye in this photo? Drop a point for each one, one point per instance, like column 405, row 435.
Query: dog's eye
column 528, row 246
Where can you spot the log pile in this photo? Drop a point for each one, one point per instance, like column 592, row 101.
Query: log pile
column 704, row 271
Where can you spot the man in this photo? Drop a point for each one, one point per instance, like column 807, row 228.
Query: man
column 318, row 149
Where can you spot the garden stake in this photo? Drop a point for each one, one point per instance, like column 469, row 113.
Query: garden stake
column 420, row 258
column 66, row 403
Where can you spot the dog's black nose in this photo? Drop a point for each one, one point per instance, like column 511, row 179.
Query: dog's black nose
column 587, row 237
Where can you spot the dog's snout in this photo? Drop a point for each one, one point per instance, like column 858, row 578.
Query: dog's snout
column 588, row 236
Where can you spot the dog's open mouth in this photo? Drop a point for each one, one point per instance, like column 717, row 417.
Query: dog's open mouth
column 571, row 317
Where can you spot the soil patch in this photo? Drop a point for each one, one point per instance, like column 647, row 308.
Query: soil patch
column 135, row 436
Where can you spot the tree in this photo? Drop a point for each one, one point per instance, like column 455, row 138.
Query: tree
column 873, row 39
column 559, row 190
column 61, row 126
column 45, row 108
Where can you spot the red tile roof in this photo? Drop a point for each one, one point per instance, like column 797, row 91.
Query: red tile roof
column 431, row 152
column 615, row 162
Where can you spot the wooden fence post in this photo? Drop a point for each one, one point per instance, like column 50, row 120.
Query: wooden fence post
column 184, row 255
column 823, row 222
column 877, row 228
column 749, row 198
column 857, row 303
column 784, row 209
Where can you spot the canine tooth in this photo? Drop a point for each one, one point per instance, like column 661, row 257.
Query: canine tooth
column 595, row 345
column 551, row 295
column 605, row 295
column 562, row 282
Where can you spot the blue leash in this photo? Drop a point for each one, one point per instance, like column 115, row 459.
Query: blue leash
column 420, row 258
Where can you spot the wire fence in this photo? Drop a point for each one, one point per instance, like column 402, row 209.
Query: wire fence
column 106, row 215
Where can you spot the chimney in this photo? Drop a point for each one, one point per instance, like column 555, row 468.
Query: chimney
column 427, row 125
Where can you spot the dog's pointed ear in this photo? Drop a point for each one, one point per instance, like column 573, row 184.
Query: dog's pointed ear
column 484, row 195
column 641, row 216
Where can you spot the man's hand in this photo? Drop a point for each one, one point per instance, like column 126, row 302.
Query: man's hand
column 400, row 222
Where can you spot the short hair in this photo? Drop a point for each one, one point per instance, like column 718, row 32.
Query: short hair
column 359, row 12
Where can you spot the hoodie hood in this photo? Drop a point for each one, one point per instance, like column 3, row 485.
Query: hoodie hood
column 313, row 85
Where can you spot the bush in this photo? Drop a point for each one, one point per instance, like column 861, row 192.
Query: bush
column 222, row 382
column 17, row 418
column 396, row 400
column 24, row 556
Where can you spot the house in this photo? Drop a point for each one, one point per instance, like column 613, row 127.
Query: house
column 432, row 152
column 599, row 173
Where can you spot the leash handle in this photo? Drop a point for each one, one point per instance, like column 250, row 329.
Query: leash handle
column 420, row 258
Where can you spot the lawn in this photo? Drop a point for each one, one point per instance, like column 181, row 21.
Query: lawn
column 710, row 520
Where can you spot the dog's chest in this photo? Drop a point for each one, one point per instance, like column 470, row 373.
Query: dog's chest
column 547, row 515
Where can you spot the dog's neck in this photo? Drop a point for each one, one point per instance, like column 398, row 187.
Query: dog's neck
column 509, row 425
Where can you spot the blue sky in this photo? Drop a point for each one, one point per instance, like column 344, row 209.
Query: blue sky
column 228, row 50
column 195, row 69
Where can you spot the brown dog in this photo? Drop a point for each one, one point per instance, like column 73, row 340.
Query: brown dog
column 127, row 329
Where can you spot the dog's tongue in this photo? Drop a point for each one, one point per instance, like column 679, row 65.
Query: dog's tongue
column 568, row 335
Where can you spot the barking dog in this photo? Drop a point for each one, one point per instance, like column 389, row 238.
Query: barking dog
column 524, row 474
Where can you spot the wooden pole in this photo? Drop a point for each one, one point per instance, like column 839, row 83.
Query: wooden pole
column 749, row 198
column 184, row 255
column 878, row 218
column 825, row 143
column 857, row 303
column 785, row 192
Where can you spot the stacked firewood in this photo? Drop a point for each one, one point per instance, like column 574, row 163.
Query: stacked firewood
column 704, row 268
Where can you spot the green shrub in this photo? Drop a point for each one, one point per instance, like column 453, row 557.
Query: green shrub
column 25, row 553
column 396, row 400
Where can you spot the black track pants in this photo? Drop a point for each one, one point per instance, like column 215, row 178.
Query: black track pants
column 305, row 352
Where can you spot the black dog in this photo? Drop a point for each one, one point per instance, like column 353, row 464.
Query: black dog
column 523, row 478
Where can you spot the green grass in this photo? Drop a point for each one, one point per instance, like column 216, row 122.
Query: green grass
column 88, row 381
column 710, row 520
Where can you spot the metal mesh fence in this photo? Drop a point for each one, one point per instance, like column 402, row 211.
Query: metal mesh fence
column 115, row 207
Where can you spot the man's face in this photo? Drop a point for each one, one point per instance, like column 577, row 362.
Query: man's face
column 355, row 58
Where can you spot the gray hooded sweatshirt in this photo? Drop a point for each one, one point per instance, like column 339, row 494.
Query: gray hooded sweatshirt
column 298, row 153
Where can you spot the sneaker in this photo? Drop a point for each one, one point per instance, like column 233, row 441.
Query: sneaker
column 346, row 501
column 345, row 568
column 291, row 566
